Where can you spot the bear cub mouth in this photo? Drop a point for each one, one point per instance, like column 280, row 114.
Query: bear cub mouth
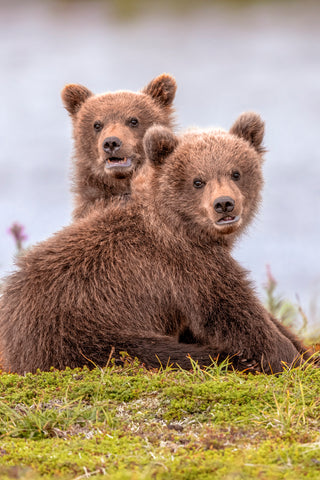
column 227, row 220
column 113, row 162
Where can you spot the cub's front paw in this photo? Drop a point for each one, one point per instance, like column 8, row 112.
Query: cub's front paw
column 245, row 363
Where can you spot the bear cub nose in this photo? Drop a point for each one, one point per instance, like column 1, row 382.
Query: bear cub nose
column 223, row 204
column 111, row 144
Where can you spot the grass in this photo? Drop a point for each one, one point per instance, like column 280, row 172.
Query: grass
column 129, row 423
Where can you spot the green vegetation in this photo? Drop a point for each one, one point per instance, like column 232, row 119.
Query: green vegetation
column 293, row 315
column 129, row 423
column 127, row 9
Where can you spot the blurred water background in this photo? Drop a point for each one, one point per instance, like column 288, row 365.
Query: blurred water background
column 227, row 57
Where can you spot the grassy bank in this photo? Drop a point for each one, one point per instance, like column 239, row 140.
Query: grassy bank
column 127, row 423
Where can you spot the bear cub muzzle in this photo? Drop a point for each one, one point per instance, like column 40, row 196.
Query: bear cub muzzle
column 118, row 157
column 112, row 146
column 227, row 206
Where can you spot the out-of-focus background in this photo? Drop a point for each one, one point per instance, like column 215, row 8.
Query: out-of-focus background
column 227, row 57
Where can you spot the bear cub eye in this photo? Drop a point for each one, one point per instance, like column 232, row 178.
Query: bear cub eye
column 133, row 122
column 198, row 183
column 235, row 175
column 97, row 126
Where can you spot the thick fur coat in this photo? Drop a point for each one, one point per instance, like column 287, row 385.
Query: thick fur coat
column 153, row 276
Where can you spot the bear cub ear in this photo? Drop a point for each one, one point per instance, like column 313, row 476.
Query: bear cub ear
column 159, row 142
column 162, row 89
column 73, row 96
column 250, row 126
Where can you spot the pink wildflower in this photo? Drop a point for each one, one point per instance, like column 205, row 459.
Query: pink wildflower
column 18, row 232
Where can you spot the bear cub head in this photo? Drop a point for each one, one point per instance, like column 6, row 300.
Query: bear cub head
column 207, row 184
column 108, row 131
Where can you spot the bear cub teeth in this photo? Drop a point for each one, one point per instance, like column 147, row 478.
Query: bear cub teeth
column 118, row 161
column 228, row 219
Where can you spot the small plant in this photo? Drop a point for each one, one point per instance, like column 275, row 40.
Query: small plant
column 282, row 309
column 57, row 418
column 292, row 316
column 18, row 233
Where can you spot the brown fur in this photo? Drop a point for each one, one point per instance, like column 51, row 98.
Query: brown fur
column 152, row 277
column 96, row 179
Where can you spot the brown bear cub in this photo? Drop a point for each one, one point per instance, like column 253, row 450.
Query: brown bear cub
column 77, row 297
column 108, row 130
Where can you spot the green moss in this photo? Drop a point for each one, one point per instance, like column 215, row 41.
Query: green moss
column 122, row 456
column 127, row 423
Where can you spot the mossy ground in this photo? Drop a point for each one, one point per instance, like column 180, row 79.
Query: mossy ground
column 129, row 423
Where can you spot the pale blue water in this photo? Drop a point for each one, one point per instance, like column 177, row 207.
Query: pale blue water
column 266, row 58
